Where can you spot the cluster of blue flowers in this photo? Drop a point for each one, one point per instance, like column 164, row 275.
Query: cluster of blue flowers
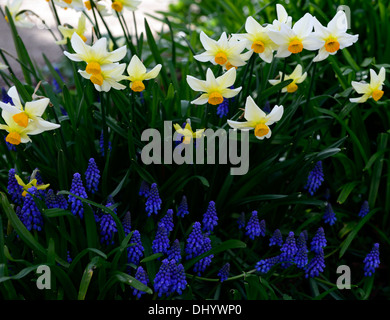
column 294, row 251
column 255, row 228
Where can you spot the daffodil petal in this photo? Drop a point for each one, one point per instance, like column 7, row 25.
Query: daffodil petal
column 37, row 107
column 252, row 111
column 14, row 95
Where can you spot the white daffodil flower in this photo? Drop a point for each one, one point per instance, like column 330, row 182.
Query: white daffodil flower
column 137, row 73
column 96, row 56
column 67, row 32
column 31, row 112
column 372, row 89
column 257, row 39
column 21, row 20
column 221, row 51
column 334, row 37
column 22, row 122
column 108, row 78
column 216, row 89
column 282, row 18
column 296, row 76
column 257, row 119
column 131, row 5
column 294, row 40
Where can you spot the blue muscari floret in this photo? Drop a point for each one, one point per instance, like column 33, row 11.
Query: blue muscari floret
column 223, row 273
column 174, row 251
column 170, row 278
column 107, row 229
column 101, row 142
column 289, row 250
column 141, row 276
column 364, row 210
column 371, row 261
column 210, row 218
column 92, row 176
column 50, row 199
column 202, row 264
column 144, row 189
column 262, row 228
column 315, row 178
column 136, row 251
column 329, row 215
column 265, row 265
column 302, row 239
column 167, row 220
column 77, row 188
column 182, row 209
column 153, row 202
column 68, row 257
column 127, row 223
column 194, row 241
column 316, row 265
column 31, row 216
column 319, row 241
column 61, row 201
column 254, row 228
column 276, row 239
column 301, row 258
column 223, row 108
column 161, row 241
column 14, row 189
column 5, row 97
column 241, row 221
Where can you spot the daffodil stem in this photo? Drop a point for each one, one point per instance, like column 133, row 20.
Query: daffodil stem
column 107, row 28
column 135, row 28
column 54, row 10
column 96, row 27
column 281, row 80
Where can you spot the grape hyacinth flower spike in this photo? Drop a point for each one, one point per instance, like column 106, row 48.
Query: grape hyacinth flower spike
column 153, row 201
column 371, row 261
column 315, row 178
column 92, row 176
column 210, row 218
column 78, row 189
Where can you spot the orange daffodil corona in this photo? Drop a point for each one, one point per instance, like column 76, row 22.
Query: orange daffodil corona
column 24, row 121
column 103, row 68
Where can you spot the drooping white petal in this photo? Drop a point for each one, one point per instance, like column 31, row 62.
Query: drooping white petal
column 382, row 75
column 204, row 98
column 245, row 126
column 361, row 88
column 117, row 54
column 322, row 55
column 230, row 93
column 281, row 13
column 362, row 99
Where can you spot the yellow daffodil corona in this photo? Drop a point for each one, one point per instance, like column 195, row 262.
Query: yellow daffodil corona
column 137, row 73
